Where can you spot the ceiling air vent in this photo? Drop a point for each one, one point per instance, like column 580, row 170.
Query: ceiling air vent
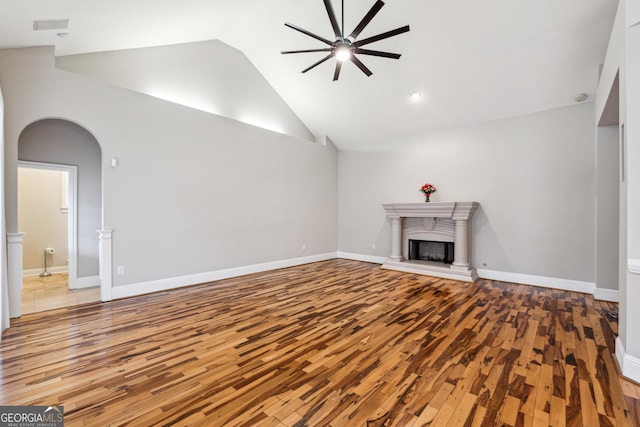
column 51, row 24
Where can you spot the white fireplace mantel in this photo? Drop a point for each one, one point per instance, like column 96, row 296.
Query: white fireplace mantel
column 439, row 221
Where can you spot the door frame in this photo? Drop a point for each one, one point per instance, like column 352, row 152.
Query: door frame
column 72, row 201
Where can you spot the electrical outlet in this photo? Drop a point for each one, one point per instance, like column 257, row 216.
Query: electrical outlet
column 120, row 270
column 373, row 246
column 304, row 247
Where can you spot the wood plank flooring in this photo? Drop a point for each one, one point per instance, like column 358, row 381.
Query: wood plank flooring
column 335, row 343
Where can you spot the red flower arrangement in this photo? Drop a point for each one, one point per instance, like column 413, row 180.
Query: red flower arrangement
column 427, row 189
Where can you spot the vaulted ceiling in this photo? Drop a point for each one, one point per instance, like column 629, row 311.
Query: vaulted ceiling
column 472, row 60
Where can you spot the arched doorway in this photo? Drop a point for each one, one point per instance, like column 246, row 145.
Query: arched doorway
column 64, row 145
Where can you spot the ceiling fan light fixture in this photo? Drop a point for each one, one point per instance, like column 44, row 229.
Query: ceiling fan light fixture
column 347, row 48
column 343, row 53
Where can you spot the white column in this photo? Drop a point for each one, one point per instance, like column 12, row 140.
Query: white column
column 106, row 263
column 461, row 247
column 396, row 239
column 14, row 273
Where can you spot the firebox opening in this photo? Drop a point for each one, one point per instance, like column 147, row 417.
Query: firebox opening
column 425, row 250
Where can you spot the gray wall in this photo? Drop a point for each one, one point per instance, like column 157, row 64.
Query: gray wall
column 607, row 207
column 209, row 75
column 194, row 192
column 63, row 142
column 533, row 176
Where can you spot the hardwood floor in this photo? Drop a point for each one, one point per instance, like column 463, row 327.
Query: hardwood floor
column 340, row 343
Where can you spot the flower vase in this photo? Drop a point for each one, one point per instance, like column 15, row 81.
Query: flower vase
column 426, row 197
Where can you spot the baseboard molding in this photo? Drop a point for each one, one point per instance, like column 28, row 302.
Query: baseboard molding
column 36, row 271
column 610, row 295
column 543, row 281
column 629, row 365
column 194, row 279
column 211, row 276
column 361, row 257
column 87, row 282
column 524, row 279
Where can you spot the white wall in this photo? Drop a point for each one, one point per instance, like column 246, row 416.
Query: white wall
column 4, row 288
column 632, row 141
column 41, row 217
column 622, row 58
column 210, row 76
column 193, row 192
column 533, row 176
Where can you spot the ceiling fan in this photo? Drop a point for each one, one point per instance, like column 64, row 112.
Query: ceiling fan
column 346, row 48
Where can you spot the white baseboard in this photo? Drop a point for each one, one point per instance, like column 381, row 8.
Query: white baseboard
column 629, row 365
column 195, row 279
column 524, row 279
column 611, row 295
column 543, row 281
column 87, row 282
column 36, row 271
column 360, row 257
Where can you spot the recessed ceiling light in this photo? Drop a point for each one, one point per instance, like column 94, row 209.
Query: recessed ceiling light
column 416, row 95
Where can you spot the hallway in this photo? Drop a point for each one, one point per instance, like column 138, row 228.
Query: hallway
column 47, row 293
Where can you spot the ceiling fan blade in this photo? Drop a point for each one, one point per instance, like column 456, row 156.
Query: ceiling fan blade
column 336, row 74
column 326, row 49
column 382, row 36
column 310, row 34
column 333, row 19
column 367, row 18
column 318, row 63
column 376, row 53
column 360, row 65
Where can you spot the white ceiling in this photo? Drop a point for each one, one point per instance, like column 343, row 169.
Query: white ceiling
column 473, row 60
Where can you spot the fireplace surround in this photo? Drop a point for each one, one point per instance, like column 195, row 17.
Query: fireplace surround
column 437, row 222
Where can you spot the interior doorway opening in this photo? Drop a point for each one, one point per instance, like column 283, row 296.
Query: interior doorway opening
column 47, row 213
column 60, row 143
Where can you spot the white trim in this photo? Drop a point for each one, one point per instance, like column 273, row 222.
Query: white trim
column 359, row 257
column 72, row 201
column 14, row 273
column 195, row 279
column 612, row 295
column 88, row 282
column 524, row 279
column 543, row 281
column 633, row 265
column 106, row 264
column 36, row 271
column 629, row 365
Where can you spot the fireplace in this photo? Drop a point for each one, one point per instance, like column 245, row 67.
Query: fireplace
column 443, row 234
column 428, row 250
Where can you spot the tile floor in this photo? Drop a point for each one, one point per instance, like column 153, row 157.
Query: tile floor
column 47, row 293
